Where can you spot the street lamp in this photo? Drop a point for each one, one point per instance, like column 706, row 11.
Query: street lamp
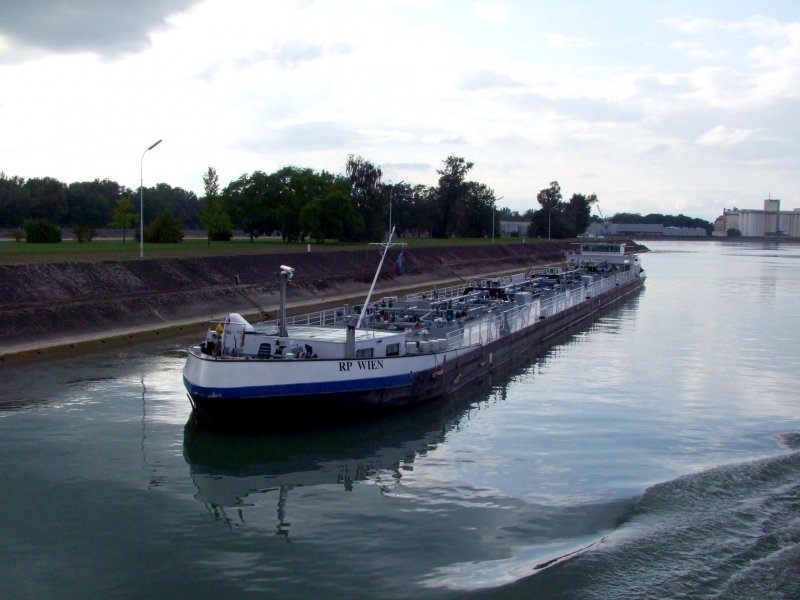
column 391, row 191
column 141, row 200
column 493, row 209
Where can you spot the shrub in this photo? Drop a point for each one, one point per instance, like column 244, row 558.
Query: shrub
column 222, row 235
column 41, row 231
column 84, row 233
column 164, row 230
column 18, row 234
column 733, row 232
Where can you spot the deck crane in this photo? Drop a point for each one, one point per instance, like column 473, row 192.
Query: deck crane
column 606, row 220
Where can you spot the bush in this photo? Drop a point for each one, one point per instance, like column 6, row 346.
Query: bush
column 733, row 232
column 18, row 234
column 222, row 235
column 164, row 230
column 84, row 233
column 41, row 231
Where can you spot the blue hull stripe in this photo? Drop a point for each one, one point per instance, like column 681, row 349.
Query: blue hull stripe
column 299, row 389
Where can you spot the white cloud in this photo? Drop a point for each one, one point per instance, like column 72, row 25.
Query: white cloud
column 494, row 12
column 698, row 52
column 565, row 41
column 725, row 136
column 487, row 79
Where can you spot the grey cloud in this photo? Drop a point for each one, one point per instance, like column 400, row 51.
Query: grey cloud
column 105, row 27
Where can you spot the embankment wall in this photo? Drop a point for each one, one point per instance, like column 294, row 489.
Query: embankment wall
column 46, row 304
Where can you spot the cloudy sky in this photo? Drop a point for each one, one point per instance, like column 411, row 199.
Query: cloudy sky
column 680, row 106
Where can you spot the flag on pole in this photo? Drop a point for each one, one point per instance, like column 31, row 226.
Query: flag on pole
column 398, row 264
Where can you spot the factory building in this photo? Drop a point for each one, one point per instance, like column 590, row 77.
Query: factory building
column 750, row 222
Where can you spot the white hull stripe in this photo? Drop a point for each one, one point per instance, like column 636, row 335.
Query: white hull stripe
column 299, row 389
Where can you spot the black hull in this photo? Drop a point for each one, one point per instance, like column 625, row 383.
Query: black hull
column 304, row 411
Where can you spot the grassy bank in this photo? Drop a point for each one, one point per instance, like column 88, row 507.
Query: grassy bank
column 72, row 251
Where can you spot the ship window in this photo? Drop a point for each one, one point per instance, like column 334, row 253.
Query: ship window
column 365, row 353
column 392, row 349
column 264, row 350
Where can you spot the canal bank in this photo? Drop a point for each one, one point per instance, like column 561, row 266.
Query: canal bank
column 70, row 307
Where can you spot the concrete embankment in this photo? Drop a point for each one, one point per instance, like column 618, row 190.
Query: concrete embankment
column 66, row 307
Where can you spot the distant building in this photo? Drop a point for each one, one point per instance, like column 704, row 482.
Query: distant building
column 515, row 228
column 641, row 229
column 750, row 222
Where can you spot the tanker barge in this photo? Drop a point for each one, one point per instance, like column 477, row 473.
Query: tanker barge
column 349, row 362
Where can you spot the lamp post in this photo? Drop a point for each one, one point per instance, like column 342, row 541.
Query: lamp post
column 391, row 191
column 493, row 209
column 141, row 200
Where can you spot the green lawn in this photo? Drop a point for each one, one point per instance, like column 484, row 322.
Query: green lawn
column 12, row 252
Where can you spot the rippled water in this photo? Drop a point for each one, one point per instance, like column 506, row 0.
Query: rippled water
column 652, row 453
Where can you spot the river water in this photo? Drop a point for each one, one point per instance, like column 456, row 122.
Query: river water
column 652, row 453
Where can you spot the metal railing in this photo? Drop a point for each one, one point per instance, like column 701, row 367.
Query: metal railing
column 482, row 330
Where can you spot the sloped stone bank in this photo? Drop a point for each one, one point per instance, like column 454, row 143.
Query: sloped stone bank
column 43, row 303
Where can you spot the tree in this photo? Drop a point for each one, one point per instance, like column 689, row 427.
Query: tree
column 296, row 188
column 402, row 209
column 182, row 204
column 332, row 216
column 211, row 182
column 47, row 199
column 213, row 216
column 91, row 203
column 14, row 201
column 124, row 216
column 166, row 229
column 547, row 220
column 416, row 210
column 246, row 201
column 475, row 219
column 368, row 196
column 451, row 195
column 215, row 220
column 577, row 213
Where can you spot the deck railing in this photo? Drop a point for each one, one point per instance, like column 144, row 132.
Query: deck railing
column 482, row 331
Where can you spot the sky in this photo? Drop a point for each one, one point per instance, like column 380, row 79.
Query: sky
column 669, row 107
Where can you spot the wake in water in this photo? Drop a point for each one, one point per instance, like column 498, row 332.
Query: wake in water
column 729, row 532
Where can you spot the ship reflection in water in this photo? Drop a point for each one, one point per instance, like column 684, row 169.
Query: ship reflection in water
column 232, row 471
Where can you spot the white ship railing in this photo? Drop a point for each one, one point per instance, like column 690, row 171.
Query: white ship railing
column 515, row 319
column 483, row 330
column 445, row 293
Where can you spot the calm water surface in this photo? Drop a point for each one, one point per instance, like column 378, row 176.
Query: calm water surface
column 653, row 453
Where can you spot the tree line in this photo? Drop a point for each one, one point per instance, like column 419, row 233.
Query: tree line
column 666, row 220
column 298, row 203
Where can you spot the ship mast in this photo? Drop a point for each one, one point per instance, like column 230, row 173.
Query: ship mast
column 377, row 274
